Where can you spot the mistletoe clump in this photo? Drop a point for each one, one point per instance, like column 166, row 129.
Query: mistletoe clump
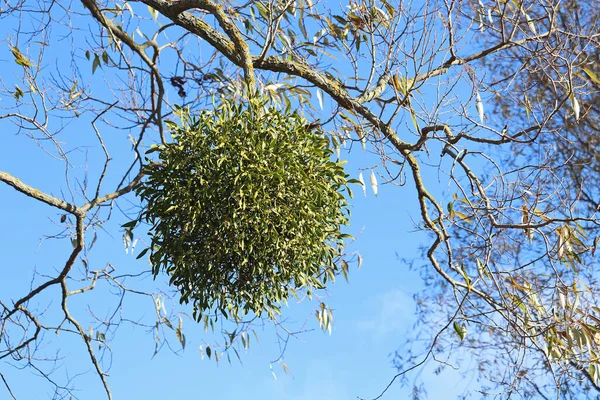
column 246, row 207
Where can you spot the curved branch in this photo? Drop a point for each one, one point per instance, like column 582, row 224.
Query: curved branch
column 118, row 33
column 241, row 47
column 111, row 196
column 87, row 339
column 37, row 194
column 275, row 64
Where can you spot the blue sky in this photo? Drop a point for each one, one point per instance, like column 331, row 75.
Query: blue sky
column 373, row 313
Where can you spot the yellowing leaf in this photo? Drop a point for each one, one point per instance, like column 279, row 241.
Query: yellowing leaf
column 451, row 213
column 180, row 337
column 396, row 83
column 415, row 122
column 462, row 216
column 153, row 13
column 20, row 58
column 345, row 269
column 592, row 75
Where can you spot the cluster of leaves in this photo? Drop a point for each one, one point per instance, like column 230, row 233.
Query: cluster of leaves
column 246, row 207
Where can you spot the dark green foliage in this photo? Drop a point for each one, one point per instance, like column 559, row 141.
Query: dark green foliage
column 245, row 207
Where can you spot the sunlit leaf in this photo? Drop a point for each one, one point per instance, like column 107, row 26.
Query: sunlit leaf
column 20, row 58
column 592, row 75
column 479, row 106
column 374, row 184
column 530, row 23
column 320, row 98
column 575, row 106
column 362, row 182
column 153, row 13
column 461, row 330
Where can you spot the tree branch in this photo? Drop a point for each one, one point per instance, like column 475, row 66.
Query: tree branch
column 38, row 195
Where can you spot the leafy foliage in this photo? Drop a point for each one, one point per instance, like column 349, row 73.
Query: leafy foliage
column 493, row 103
column 246, row 207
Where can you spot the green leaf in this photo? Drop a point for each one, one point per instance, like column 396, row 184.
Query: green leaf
column 301, row 22
column 262, row 10
column 413, row 117
column 95, row 63
column 18, row 93
column 130, row 224
column 465, row 275
column 142, row 253
column 461, row 330
column 93, row 241
column 450, row 208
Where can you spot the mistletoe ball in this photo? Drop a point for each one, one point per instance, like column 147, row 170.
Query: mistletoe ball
column 246, row 207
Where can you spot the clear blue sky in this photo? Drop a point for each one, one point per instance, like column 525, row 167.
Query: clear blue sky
column 372, row 314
